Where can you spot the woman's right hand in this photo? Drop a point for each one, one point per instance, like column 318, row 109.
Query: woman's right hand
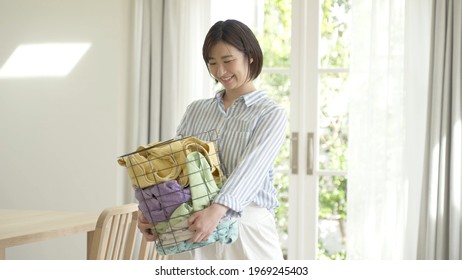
column 145, row 227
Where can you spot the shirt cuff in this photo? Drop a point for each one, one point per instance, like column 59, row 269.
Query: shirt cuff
column 233, row 204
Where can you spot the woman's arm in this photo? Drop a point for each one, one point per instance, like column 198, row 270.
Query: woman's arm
column 204, row 222
column 246, row 180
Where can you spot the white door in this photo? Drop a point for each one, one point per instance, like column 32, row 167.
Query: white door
column 318, row 113
column 303, row 194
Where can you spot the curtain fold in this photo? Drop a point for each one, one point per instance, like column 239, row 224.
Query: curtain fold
column 147, row 95
column 388, row 73
column 440, row 234
column 185, row 76
column 169, row 70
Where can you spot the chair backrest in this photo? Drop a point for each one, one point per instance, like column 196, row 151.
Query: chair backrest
column 116, row 236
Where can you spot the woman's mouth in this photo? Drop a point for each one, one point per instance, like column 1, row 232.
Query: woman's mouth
column 226, row 79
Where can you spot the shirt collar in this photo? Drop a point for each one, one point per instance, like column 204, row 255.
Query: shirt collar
column 253, row 97
column 218, row 96
column 249, row 98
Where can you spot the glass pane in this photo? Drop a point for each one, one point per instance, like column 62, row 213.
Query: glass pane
column 275, row 40
column 270, row 21
column 334, row 41
column 277, row 85
column 333, row 121
column 246, row 11
column 332, row 217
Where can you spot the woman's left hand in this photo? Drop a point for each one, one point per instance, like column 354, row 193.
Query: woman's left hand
column 204, row 222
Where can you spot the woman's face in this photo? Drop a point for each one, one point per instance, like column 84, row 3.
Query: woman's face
column 230, row 67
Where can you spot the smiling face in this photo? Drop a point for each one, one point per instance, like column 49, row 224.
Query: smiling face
column 230, row 67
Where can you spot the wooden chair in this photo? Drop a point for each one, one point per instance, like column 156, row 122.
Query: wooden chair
column 116, row 236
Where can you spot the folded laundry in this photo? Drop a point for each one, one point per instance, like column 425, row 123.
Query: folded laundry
column 164, row 161
column 176, row 233
column 201, row 181
column 181, row 213
column 203, row 190
column 158, row 202
column 226, row 233
column 172, row 180
column 192, row 144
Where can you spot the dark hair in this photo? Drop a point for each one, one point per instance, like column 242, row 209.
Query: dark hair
column 238, row 35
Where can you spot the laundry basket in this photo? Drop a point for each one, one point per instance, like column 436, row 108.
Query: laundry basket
column 174, row 179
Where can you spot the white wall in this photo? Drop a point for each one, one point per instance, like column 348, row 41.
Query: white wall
column 60, row 137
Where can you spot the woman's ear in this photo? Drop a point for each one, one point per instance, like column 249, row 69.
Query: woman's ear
column 250, row 60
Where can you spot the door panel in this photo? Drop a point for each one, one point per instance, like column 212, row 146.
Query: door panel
column 303, row 185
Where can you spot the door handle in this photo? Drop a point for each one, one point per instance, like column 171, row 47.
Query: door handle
column 294, row 153
column 310, row 154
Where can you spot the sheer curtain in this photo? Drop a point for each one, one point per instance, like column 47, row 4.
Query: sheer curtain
column 388, row 88
column 169, row 70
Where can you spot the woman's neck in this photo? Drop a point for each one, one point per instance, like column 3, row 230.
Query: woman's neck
column 230, row 95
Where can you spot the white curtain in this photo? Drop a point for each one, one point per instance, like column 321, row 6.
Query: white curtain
column 388, row 87
column 440, row 235
column 169, row 70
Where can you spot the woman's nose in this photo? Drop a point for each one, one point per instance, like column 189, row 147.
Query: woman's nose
column 220, row 70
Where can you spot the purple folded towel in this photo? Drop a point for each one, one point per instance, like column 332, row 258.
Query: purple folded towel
column 158, row 202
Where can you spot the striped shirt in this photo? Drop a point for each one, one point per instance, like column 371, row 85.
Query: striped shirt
column 250, row 135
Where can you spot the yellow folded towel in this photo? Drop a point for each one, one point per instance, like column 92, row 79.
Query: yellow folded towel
column 164, row 161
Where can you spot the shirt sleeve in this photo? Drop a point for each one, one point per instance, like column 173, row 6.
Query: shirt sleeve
column 181, row 128
column 247, row 179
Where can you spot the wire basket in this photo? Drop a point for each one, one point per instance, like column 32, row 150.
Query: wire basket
column 174, row 179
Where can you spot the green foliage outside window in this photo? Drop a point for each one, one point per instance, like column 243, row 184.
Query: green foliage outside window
column 334, row 119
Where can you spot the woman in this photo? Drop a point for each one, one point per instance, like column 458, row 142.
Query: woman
column 251, row 131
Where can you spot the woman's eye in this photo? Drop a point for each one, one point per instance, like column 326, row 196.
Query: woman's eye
column 212, row 63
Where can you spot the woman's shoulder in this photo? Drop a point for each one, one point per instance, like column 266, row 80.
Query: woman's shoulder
column 266, row 101
column 206, row 101
column 201, row 102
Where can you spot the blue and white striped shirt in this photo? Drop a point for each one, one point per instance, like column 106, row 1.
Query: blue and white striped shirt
column 251, row 133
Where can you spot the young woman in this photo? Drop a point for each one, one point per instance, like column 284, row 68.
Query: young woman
column 251, row 131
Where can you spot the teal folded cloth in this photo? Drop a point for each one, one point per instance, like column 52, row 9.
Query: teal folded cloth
column 226, row 232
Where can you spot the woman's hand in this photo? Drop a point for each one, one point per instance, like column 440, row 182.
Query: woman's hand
column 204, row 222
column 145, row 227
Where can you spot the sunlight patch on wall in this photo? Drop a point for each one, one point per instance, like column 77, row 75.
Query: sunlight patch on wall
column 43, row 60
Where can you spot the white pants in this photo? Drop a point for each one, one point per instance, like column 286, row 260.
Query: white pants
column 258, row 240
